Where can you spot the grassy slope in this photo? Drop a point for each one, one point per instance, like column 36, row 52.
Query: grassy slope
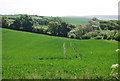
column 76, row 20
column 21, row 51
column 11, row 16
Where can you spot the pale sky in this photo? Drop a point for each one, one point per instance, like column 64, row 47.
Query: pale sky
column 59, row 7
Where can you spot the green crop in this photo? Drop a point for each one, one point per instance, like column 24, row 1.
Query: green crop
column 36, row 56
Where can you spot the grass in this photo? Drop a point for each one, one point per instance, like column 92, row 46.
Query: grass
column 22, row 52
column 11, row 16
column 76, row 20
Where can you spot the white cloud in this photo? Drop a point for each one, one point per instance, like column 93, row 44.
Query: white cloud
column 59, row 7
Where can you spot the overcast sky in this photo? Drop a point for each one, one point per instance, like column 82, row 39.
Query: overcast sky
column 59, row 7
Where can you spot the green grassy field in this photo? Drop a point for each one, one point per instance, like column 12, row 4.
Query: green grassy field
column 76, row 20
column 36, row 56
column 11, row 16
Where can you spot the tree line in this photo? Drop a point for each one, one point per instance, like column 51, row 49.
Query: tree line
column 95, row 29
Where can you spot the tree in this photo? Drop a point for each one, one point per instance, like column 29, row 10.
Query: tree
column 94, row 24
column 75, row 33
column 53, row 27
column 42, row 21
column 57, row 26
column 16, row 24
column 110, row 25
column 5, row 22
column 63, row 29
column 24, row 22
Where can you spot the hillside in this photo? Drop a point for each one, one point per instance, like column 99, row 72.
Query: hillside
column 103, row 17
column 11, row 16
column 29, row 55
column 100, row 17
column 18, row 15
column 73, row 20
column 76, row 20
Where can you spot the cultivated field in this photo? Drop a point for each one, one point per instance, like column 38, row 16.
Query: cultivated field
column 76, row 20
column 36, row 56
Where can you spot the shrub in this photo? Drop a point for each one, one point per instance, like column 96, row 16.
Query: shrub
column 117, row 36
column 93, row 33
column 99, row 37
column 40, row 29
column 86, row 37
column 108, row 34
column 104, row 36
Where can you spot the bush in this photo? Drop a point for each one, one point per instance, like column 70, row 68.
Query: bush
column 40, row 29
column 108, row 34
column 117, row 36
column 93, row 33
column 98, row 37
column 86, row 37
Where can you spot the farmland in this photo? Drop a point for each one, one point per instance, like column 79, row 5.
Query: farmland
column 36, row 56
column 76, row 20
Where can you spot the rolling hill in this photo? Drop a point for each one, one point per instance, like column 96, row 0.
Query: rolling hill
column 76, row 20
column 36, row 56
column 73, row 20
column 100, row 17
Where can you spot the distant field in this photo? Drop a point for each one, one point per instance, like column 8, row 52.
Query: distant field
column 36, row 56
column 76, row 20
column 15, row 16
column 73, row 20
column 11, row 16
